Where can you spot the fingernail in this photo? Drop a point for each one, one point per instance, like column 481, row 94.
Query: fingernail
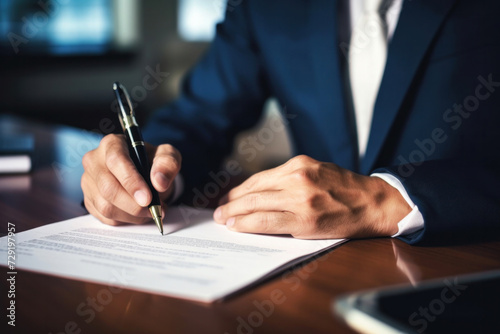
column 161, row 179
column 218, row 214
column 230, row 222
column 141, row 197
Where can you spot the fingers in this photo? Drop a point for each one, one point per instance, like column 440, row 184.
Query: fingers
column 113, row 171
column 261, row 212
column 272, row 179
column 266, row 180
column 263, row 222
column 114, row 191
column 166, row 165
column 110, row 200
column 287, row 199
column 119, row 163
column 259, row 201
column 113, row 216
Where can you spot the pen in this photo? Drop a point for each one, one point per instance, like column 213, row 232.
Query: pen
column 136, row 147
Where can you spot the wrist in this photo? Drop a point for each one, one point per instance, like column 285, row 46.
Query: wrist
column 388, row 207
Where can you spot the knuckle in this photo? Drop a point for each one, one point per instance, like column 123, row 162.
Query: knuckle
column 309, row 175
column 106, row 141
column 131, row 182
column 167, row 148
column 113, row 158
column 301, row 175
column 269, row 224
column 251, row 182
column 105, row 208
column 252, row 202
column 167, row 162
column 173, row 161
column 300, row 160
column 265, row 223
column 107, row 188
column 110, row 139
column 87, row 160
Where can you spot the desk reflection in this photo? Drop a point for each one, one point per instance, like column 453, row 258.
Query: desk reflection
column 406, row 264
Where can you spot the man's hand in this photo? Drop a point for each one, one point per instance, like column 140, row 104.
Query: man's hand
column 114, row 191
column 313, row 200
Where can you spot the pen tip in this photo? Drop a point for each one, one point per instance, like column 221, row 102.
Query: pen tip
column 159, row 224
column 156, row 213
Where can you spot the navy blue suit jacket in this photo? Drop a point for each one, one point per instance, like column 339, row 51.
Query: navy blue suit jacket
column 435, row 122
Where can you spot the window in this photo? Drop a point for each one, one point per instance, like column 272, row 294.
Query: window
column 197, row 18
column 60, row 27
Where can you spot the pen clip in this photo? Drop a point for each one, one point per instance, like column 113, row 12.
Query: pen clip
column 127, row 120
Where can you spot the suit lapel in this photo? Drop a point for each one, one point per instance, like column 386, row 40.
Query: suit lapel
column 418, row 23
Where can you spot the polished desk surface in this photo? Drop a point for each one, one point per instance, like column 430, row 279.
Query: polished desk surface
column 48, row 304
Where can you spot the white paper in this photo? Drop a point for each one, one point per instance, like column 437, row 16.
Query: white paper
column 198, row 259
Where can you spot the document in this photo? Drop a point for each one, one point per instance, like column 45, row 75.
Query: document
column 197, row 259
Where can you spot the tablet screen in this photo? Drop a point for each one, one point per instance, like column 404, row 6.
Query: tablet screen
column 454, row 306
column 464, row 304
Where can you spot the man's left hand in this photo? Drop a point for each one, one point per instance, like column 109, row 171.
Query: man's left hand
column 310, row 199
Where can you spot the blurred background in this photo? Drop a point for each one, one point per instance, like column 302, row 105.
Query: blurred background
column 59, row 58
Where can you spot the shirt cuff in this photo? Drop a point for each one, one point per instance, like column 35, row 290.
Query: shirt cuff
column 413, row 221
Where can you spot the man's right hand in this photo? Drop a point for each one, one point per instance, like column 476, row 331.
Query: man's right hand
column 114, row 191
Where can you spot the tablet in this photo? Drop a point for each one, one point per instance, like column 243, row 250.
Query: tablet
column 460, row 304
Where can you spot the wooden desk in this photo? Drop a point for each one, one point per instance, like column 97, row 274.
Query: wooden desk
column 47, row 304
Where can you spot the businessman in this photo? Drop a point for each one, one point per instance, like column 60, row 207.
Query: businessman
column 396, row 106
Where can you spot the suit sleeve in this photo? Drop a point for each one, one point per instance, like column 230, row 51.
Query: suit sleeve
column 459, row 199
column 456, row 93
column 221, row 96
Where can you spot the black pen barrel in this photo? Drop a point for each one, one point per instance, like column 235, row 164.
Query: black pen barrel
column 139, row 156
